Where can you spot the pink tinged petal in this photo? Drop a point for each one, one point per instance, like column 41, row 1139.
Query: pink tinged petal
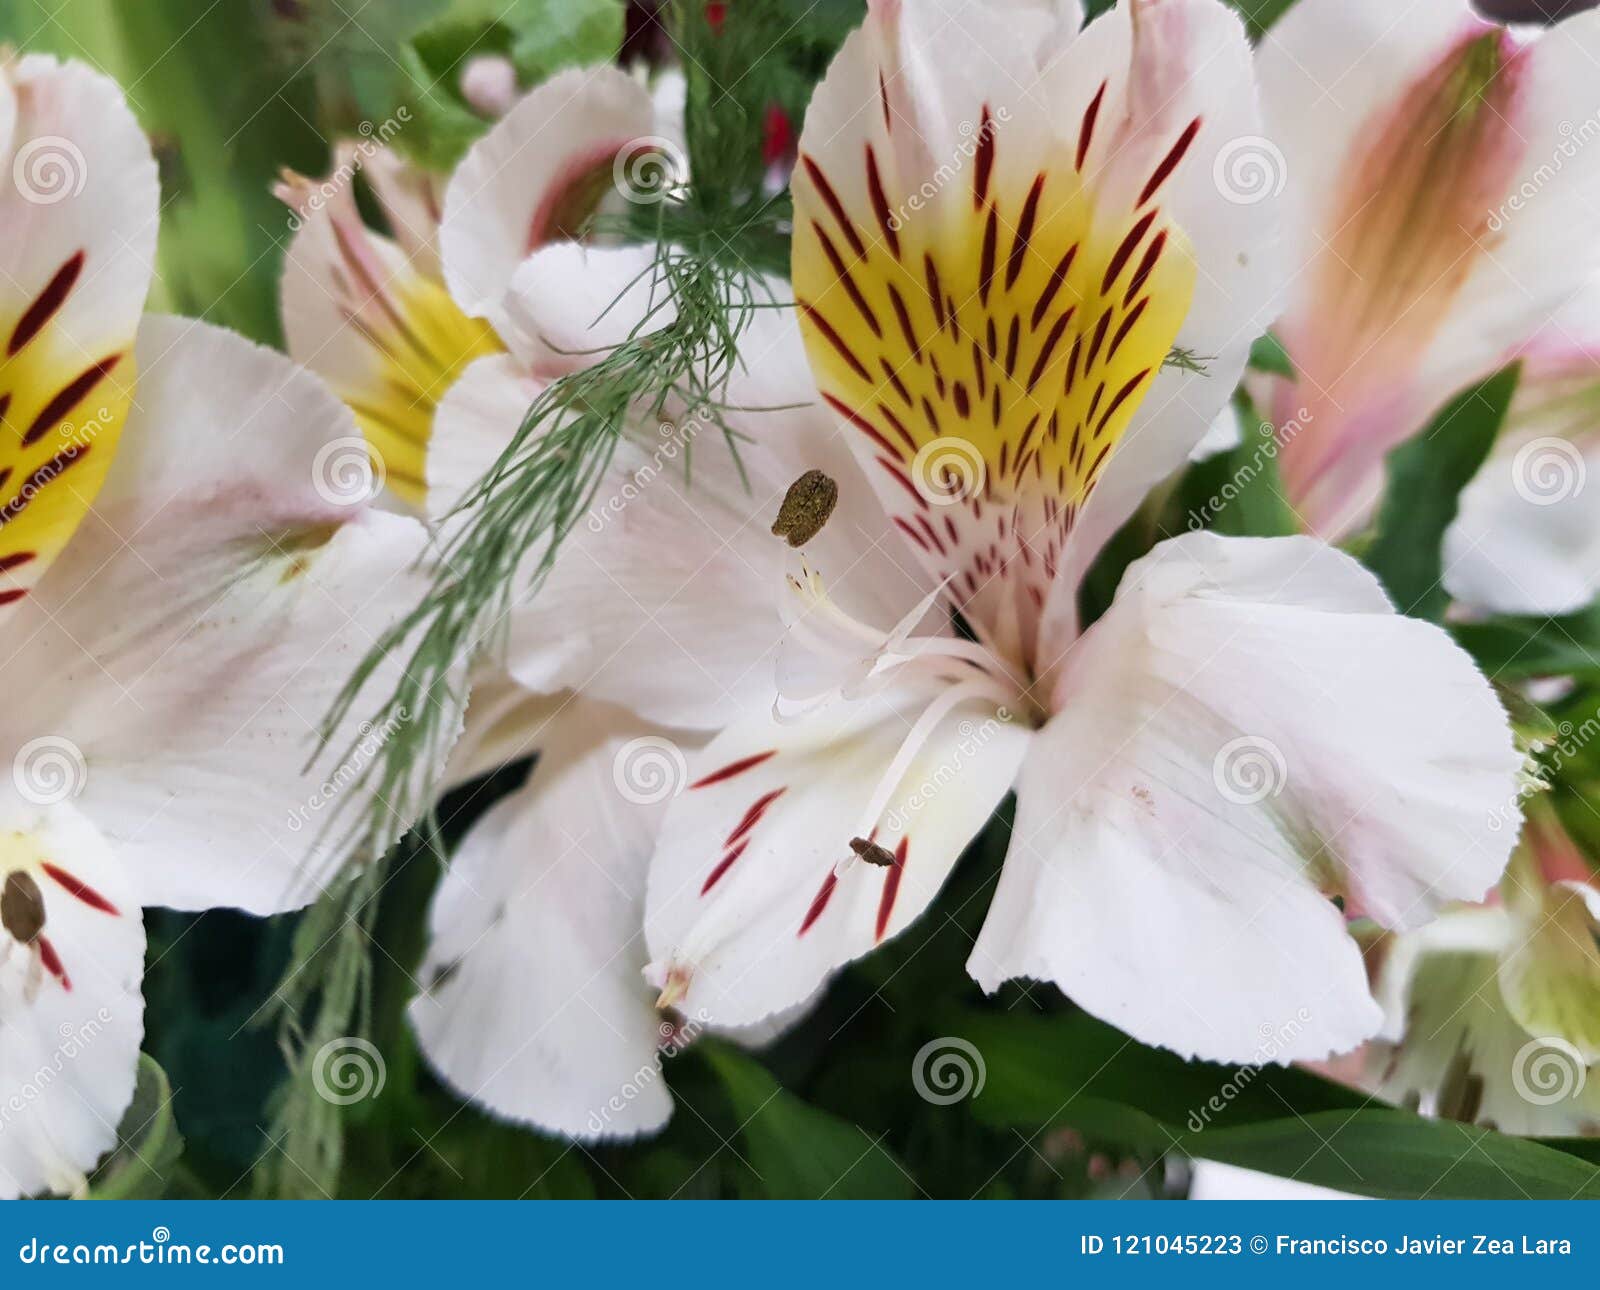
column 1193, row 804
column 534, row 1007
column 69, row 998
column 1527, row 540
column 535, row 177
column 755, row 894
column 371, row 317
column 203, row 619
column 657, row 601
column 1397, row 246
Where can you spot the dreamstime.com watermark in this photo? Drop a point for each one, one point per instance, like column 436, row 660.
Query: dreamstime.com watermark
column 1574, row 138
column 313, row 197
column 973, row 740
column 676, row 1035
column 74, row 1040
column 972, row 138
column 160, row 1250
column 1273, row 1041
column 1270, row 442
column 1569, row 741
column 366, row 750
column 676, row 436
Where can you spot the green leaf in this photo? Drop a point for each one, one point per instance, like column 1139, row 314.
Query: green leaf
column 1038, row 1070
column 1401, row 1156
column 1518, row 649
column 148, row 1142
column 1426, row 476
column 1267, row 354
column 1072, row 1071
column 1239, row 492
column 797, row 1151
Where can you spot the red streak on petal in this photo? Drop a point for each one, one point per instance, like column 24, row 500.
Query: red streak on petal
column 820, row 901
column 734, row 768
column 860, row 423
column 82, row 890
column 891, row 886
column 752, row 817
column 1086, row 130
column 1169, row 163
column 1120, row 258
column 47, row 303
column 52, row 962
column 724, row 865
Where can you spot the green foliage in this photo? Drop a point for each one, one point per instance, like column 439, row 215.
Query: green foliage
column 797, row 1151
column 1074, row 1071
column 1510, row 648
column 148, row 1142
column 1425, row 477
column 409, row 54
column 219, row 140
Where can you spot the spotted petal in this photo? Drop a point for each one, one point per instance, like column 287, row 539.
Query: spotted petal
column 373, row 319
column 755, row 895
column 190, row 641
column 79, row 211
column 71, row 955
column 993, row 263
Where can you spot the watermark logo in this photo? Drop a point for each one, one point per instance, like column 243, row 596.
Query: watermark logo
column 49, row 169
column 650, row 170
column 347, row 472
column 48, row 770
column 1548, row 471
column 948, row 470
column 348, row 1070
column 948, row 1069
column 1548, row 1070
column 1249, row 169
column 1248, row 770
column 649, row 770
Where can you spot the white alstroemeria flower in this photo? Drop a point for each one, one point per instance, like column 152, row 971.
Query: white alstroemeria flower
column 648, row 616
column 1527, row 540
column 390, row 322
column 1406, row 287
column 1003, row 228
column 187, row 584
column 1492, row 1013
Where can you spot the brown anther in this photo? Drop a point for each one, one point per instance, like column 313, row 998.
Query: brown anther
column 22, row 907
column 806, row 507
column 872, row 853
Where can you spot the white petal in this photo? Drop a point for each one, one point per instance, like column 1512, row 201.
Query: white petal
column 664, row 596
column 1247, row 731
column 1213, row 1181
column 567, row 305
column 70, row 1007
column 512, row 191
column 192, row 638
column 535, row 1007
column 751, row 902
